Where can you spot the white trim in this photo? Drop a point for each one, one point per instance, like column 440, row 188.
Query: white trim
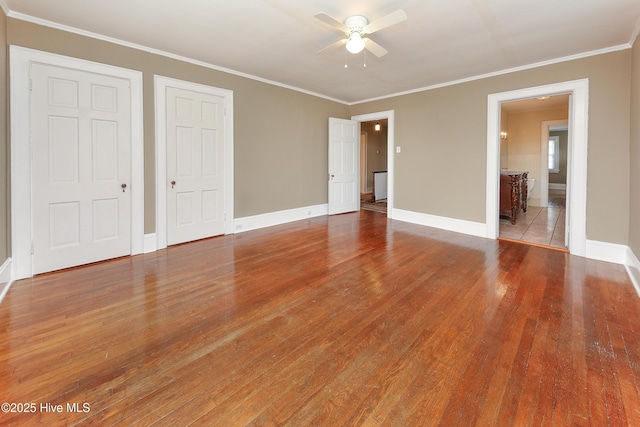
column 50, row 24
column 5, row 278
column 605, row 251
column 20, row 61
column 363, row 162
column 390, row 116
column 556, row 157
column 150, row 243
column 5, row 271
column 577, row 173
column 73, row 30
column 269, row 219
column 502, row 72
column 557, row 186
column 161, row 84
column 632, row 264
column 441, row 222
column 6, row 10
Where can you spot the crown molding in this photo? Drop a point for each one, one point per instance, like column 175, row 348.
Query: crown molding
column 43, row 22
column 54, row 25
column 502, row 72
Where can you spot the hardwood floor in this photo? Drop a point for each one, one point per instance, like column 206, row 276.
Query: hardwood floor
column 334, row 321
column 367, row 203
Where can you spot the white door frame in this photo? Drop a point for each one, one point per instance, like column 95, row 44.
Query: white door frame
column 390, row 116
column 161, row 83
column 577, row 156
column 20, row 59
column 363, row 162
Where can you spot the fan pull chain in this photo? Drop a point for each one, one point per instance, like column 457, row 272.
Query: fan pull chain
column 364, row 57
column 345, row 59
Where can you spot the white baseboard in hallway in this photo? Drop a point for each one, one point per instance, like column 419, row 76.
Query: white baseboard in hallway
column 632, row 265
column 269, row 219
column 5, row 278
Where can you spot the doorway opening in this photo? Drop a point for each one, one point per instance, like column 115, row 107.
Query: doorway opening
column 578, row 90
column 382, row 141
column 373, row 166
column 537, row 215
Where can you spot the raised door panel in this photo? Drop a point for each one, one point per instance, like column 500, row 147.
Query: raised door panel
column 195, row 163
column 81, row 156
column 344, row 162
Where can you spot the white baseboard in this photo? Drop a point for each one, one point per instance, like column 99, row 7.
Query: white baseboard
column 554, row 186
column 533, row 201
column 603, row 251
column 150, row 243
column 633, row 269
column 5, row 278
column 255, row 222
column 450, row 224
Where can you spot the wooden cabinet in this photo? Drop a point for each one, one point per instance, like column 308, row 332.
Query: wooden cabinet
column 513, row 194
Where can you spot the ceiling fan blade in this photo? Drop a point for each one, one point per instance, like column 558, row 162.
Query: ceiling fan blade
column 386, row 21
column 330, row 21
column 333, row 45
column 374, row 48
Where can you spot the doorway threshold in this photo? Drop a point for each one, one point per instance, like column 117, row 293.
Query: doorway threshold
column 537, row 245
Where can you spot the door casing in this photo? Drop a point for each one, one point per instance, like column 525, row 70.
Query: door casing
column 390, row 116
column 577, row 157
column 20, row 60
column 161, row 83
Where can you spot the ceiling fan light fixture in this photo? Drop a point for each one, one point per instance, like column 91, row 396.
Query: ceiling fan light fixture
column 355, row 43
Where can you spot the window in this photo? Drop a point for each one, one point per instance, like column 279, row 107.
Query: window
column 554, row 154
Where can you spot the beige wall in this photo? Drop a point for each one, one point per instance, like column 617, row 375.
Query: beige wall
column 524, row 131
column 441, row 170
column 280, row 134
column 443, row 134
column 4, row 144
column 634, row 212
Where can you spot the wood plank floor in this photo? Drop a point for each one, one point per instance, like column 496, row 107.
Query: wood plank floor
column 332, row 321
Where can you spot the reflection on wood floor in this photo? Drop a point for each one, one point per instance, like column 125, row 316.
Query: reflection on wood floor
column 346, row 320
column 540, row 226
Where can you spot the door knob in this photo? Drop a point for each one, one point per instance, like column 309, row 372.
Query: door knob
column 123, row 187
column 173, row 183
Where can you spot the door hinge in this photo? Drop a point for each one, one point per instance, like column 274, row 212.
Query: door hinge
column 30, row 85
column 32, row 249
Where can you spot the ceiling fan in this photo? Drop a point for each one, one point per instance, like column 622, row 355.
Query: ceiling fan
column 357, row 27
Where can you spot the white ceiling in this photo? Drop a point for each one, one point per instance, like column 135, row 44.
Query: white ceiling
column 277, row 40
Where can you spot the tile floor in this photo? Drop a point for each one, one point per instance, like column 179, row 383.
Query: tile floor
column 542, row 226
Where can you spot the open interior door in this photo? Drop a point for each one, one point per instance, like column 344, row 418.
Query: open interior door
column 344, row 165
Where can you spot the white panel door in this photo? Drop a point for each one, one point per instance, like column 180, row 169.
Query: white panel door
column 344, row 161
column 81, row 165
column 195, row 165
